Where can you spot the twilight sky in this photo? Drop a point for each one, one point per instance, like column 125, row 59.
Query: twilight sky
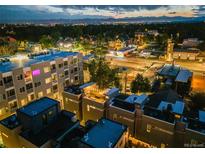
column 21, row 12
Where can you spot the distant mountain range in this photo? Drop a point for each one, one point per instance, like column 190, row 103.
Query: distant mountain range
column 162, row 19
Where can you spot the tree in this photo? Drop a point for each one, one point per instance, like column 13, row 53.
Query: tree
column 140, row 84
column 102, row 74
column 55, row 36
column 46, row 42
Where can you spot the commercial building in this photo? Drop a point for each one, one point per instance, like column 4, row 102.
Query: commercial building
column 186, row 54
column 26, row 78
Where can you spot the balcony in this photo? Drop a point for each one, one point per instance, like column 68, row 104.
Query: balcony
column 29, row 90
column 8, row 84
column 28, row 79
column 11, row 98
column 53, row 70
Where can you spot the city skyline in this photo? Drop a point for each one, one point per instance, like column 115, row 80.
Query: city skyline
column 44, row 12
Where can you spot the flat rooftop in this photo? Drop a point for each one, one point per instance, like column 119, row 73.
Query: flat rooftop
column 28, row 61
column 128, row 102
column 183, row 76
column 124, row 102
column 196, row 121
column 92, row 92
column 168, row 95
column 62, row 125
column 105, row 134
column 38, row 106
column 169, row 70
column 11, row 122
column 77, row 89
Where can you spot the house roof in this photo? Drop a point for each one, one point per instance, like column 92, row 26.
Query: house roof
column 105, row 134
column 183, row 76
column 38, row 106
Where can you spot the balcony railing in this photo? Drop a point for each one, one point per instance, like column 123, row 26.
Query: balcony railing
column 11, row 98
column 29, row 90
column 9, row 84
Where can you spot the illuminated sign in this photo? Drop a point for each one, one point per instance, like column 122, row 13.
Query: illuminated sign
column 36, row 72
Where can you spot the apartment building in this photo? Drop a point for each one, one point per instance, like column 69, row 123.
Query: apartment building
column 88, row 101
column 72, row 99
column 24, row 78
column 106, row 134
column 123, row 109
column 41, row 123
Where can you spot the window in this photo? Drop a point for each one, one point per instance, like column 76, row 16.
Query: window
column 88, row 108
column 149, row 127
column 40, row 94
column 66, row 73
column 36, row 72
column 71, row 71
column 29, row 86
column 76, row 78
column 22, row 89
column 48, row 91
column 8, row 79
column 60, row 65
column 75, row 60
column 1, row 83
column 61, row 75
column 194, row 142
column 11, row 93
column 2, row 97
column 37, row 84
column 55, row 87
column 47, row 80
column 19, row 77
column 54, row 77
column 27, row 75
column 75, row 69
column 46, row 69
column 65, row 63
column 31, row 97
column 23, row 102
column 114, row 116
column 53, row 67
column 12, row 105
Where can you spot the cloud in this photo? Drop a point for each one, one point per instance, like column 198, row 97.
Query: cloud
column 102, row 11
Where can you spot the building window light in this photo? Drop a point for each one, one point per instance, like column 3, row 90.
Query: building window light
column 46, row 69
column 88, row 108
column 149, row 127
column 48, row 80
column 48, row 91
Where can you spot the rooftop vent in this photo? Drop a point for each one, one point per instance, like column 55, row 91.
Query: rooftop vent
column 110, row 144
column 86, row 137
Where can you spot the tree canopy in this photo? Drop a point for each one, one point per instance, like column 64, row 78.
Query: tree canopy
column 140, row 84
column 102, row 74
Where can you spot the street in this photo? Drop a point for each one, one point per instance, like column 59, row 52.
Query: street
column 148, row 67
